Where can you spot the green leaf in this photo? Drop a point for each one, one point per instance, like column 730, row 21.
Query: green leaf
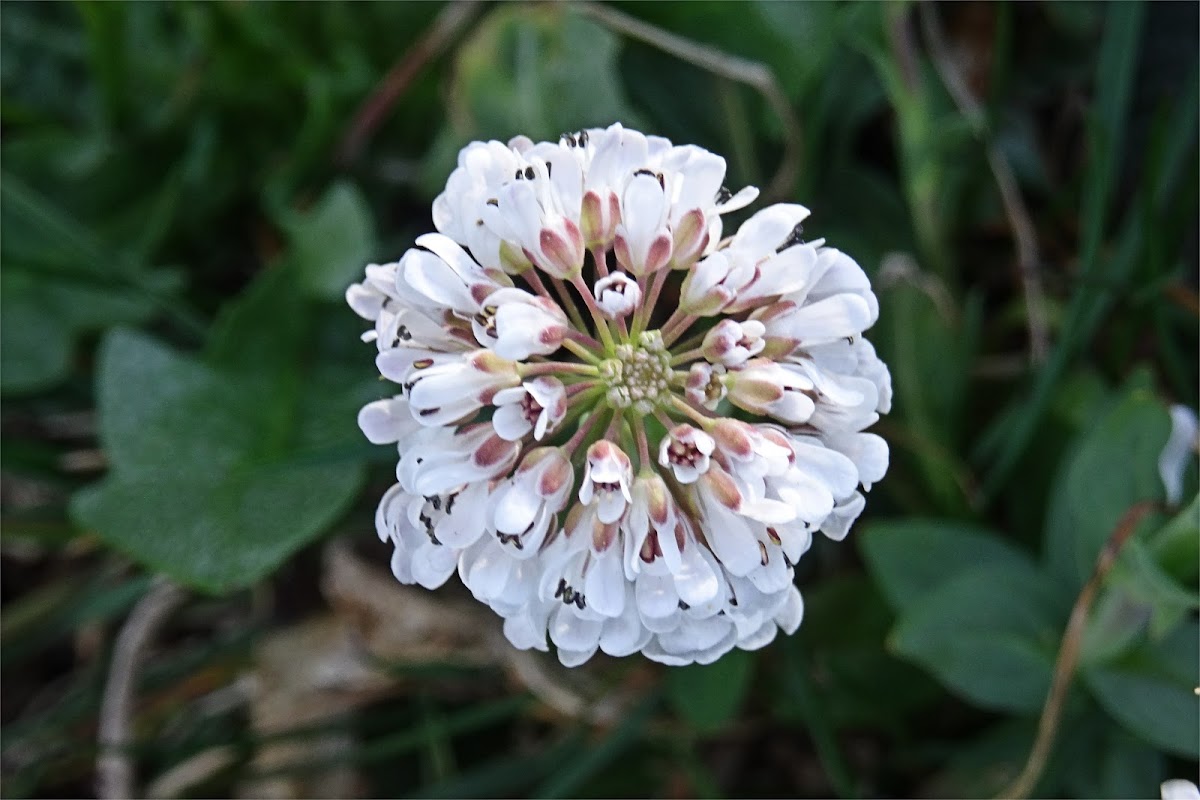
column 984, row 764
column 1151, row 692
column 1094, row 758
column 1141, row 596
column 1114, row 465
column 220, row 471
column 1176, row 545
column 1146, row 581
column 35, row 347
column 1116, row 623
column 217, row 532
column 44, row 313
column 162, row 412
column 709, row 695
column 332, row 241
column 1121, row 767
column 911, row 558
column 989, row 635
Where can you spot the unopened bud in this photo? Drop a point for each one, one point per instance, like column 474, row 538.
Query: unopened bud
column 617, row 295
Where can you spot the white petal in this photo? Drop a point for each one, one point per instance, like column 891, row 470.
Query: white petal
column 794, row 408
column 732, row 541
column 1179, row 789
column 521, row 631
column 695, row 580
column 386, row 421
column 510, row 422
column 642, row 212
column 523, row 330
column 760, row 638
column 868, row 451
column 624, row 635
column 574, row 658
column 744, row 197
column 773, row 576
column 771, row 512
column 698, row 635
column 833, row 318
column 702, row 174
column 825, row 465
column 432, row 565
column 604, row 586
column 462, row 526
column 454, row 256
column 402, row 565
column 1178, row 452
column 434, row 282
column 837, row 524
column 516, row 507
column 811, row 499
column 656, row 596
column 364, row 301
column 569, row 631
column 663, row 624
column 611, row 506
column 788, row 618
column 653, row 651
column 487, row 572
column 768, row 228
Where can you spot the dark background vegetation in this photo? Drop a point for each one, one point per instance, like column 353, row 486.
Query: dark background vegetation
column 186, row 190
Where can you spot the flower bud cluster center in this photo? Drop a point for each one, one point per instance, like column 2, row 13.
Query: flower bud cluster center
column 638, row 375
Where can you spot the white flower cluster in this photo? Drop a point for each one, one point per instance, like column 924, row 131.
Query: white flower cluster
column 607, row 471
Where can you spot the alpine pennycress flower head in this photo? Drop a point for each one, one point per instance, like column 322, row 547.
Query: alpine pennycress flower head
column 603, row 467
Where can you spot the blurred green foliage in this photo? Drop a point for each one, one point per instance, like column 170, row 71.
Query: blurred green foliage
column 180, row 214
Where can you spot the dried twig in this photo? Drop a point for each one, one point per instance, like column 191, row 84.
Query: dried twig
column 751, row 73
column 1068, row 652
column 115, row 774
column 452, row 19
column 193, row 770
column 1019, row 220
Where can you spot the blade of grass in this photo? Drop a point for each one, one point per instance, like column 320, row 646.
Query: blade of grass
column 30, row 630
column 1114, row 79
column 683, row 749
column 439, row 754
column 575, row 772
column 469, row 719
column 816, row 720
column 506, row 776
column 39, row 214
